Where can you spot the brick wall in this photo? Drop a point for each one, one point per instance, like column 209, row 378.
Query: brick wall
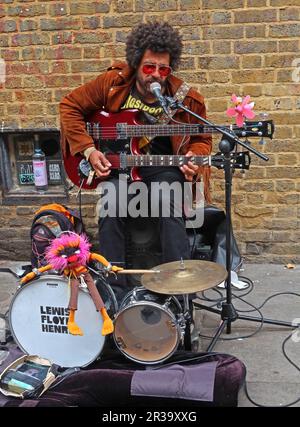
column 237, row 46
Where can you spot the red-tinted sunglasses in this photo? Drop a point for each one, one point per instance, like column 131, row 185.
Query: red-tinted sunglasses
column 149, row 68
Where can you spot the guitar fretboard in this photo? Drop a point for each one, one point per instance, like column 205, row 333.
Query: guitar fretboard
column 159, row 130
column 128, row 160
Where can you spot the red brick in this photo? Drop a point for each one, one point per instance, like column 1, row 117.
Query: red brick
column 9, row 54
column 63, row 37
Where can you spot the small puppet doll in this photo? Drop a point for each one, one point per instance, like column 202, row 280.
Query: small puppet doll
column 69, row 254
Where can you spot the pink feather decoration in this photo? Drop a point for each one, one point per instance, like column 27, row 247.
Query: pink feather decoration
column 53, row 251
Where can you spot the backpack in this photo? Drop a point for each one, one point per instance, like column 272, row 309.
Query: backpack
column 49, row 221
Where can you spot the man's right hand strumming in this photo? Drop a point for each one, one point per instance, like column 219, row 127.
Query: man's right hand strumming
column 99, row 163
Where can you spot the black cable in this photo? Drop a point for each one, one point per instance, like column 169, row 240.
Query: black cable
column 223, row 298
column 260, row 327
column 204, row 298
column 80, row 200
column 292, row 363
column 284, row 352
column 270, row 297
column 241, row 336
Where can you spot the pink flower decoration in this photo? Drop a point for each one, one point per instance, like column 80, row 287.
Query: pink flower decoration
column 241, row 110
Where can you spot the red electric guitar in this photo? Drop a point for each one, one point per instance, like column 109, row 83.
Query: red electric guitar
column 118, row 135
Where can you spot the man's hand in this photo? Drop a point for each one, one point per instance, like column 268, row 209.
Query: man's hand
column 190, row 169
column 99, row 163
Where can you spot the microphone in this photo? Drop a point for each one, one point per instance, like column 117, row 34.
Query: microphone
column 155, row 88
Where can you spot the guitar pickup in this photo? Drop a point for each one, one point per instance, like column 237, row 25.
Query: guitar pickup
column 121, row 130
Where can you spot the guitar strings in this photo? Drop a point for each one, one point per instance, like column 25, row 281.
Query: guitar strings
column 134, row 130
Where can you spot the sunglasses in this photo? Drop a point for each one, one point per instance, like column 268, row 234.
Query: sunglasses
column 149, row 68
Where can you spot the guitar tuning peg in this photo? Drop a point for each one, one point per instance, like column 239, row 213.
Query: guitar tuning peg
column 263, row 116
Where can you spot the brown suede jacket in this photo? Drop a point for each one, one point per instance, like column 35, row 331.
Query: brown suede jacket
column 108, row 92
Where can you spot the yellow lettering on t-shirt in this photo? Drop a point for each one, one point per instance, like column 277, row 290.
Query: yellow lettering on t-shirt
column 132, row 102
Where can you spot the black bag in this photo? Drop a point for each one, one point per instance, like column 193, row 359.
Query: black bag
column 219, row 248
column 209, row 241
column 48, row 223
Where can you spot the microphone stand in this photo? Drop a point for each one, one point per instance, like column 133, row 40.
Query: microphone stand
column 226, row 145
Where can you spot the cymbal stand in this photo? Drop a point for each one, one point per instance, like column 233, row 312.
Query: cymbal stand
column 188, row 319
column 228, row 313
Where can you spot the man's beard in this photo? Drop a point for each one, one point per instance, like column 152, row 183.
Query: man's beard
column 145, row 85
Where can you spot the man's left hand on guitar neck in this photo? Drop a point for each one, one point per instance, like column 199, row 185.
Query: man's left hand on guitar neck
column 189, row 170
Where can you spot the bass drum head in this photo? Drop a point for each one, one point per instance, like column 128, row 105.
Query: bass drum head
column 38, row 321
column 146, row 332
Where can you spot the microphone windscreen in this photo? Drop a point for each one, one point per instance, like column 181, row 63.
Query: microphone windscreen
column 154, row 86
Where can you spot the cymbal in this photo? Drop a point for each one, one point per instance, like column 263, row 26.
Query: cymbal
column 184, row 277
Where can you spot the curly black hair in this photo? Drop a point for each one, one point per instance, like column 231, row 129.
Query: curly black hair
column 156, row 36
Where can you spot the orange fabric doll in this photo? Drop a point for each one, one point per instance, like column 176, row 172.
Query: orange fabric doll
column 69, row 254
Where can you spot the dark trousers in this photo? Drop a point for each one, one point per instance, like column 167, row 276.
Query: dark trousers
column 112, row 229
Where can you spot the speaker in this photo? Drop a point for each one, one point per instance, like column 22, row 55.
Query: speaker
column 200, row 246
column 143, row 250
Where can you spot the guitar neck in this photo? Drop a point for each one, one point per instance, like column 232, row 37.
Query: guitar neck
column 160, row 130
column 124, row 130
column 130, row 160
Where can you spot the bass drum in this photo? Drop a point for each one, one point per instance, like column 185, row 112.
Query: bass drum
column 148, row 326
column 38, row 319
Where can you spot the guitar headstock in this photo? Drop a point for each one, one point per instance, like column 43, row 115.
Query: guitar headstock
column 259, row 128
column 238, row 160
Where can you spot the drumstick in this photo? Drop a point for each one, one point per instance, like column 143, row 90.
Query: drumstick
column 130, row 271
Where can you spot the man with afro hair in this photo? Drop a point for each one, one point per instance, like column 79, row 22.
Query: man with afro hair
column 153, row 52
